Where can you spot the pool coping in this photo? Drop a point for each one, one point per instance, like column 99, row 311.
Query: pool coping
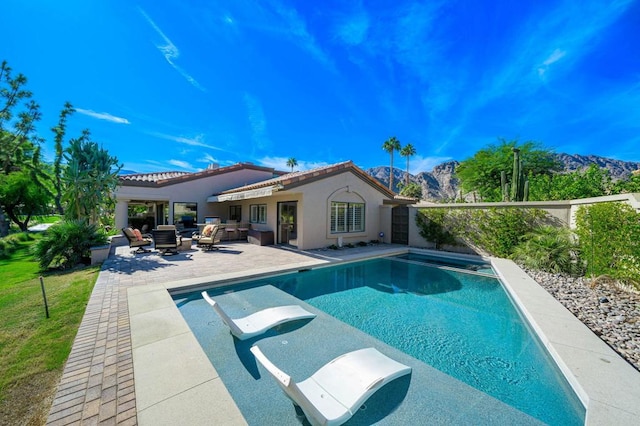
column 193, row 392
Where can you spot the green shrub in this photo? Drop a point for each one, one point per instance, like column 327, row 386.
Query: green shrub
column 8, row 245
column 11, row 243
column 609, row 240
column 434, row 224
column 494, row 231
column 66, row 243
column 499, row 231
column 550, row 249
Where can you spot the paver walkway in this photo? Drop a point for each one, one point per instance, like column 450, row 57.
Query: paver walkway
column 97, row 385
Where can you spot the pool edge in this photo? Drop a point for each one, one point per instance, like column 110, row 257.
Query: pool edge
column 607, row 384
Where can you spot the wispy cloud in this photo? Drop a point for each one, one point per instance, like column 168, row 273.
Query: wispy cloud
column 402, row 48
column 353, row 30
column 296, row 27
column 181, row 164
column 552, row 59
column 103, row 116
column 546, row 47
column 170, row 52
column 198, row 140
column 569, row 32
column 208, row 159
column 404, row 37
column 419, row 163
column 280, row 163
column 257, row 121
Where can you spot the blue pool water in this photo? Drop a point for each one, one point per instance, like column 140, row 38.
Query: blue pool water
column 459, row 323
column 460, row 263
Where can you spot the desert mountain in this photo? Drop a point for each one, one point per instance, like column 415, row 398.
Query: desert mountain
column 440, row 183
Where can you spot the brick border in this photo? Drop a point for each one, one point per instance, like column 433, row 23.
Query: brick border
column 97, row 384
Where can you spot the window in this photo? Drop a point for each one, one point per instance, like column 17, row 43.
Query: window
column 258, row 213
column 185, row 214
column 347, row 217
column 235, row 213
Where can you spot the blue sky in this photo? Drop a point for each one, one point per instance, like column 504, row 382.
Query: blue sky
column 176, row 85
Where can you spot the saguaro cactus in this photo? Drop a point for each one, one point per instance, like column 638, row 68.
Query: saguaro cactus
column 504, row 186
column 517, row 174
column 519, row 188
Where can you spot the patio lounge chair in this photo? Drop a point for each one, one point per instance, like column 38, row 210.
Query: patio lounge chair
column 136, row 242
column 261, row 321
column 166, row 240
column 338, row 389
column 209, row 238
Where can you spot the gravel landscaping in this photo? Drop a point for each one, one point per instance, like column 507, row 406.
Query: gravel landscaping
column 610, row 312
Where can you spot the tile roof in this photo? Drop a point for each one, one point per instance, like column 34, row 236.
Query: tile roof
column 152, row 177
column 294, row 179
column 170, row 178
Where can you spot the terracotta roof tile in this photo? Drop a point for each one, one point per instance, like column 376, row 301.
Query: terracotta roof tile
column 152, row 177
column 301, row 177
column 169, row 178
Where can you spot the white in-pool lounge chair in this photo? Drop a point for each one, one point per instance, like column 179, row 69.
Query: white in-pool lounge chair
column 261, row 321
column 337, row 390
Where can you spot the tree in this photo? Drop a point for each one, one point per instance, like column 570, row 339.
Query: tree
column 390, row 145
column 19, row 146
column 590, row 182
column 632, row 184
column 292, row 162
column 59, row 132
column 21, row 197
column 412, row 190
column 408, row 151
column 482, row 172
column 90, row 179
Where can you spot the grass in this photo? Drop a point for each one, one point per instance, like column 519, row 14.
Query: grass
column 33, row 348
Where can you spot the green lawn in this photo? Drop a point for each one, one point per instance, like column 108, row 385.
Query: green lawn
column 33, row 349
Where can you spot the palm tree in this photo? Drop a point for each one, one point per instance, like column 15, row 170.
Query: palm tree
column 292, row 162
column 408, row 151
column 390, row 145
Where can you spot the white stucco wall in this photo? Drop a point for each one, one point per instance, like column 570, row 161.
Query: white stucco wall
column 313, row 210
column 192, row 191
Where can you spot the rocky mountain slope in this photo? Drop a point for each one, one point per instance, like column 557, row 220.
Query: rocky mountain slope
column 440, row 184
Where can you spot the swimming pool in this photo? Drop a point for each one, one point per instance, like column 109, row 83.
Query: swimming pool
column 462, row 324
column 458, row 262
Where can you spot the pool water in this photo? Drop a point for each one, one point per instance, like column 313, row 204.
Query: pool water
column 459, row 263
column 462, row 324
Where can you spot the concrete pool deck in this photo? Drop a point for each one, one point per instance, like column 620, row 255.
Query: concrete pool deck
column 135, row 360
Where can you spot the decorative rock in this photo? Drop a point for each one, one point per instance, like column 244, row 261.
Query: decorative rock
column 611, row 313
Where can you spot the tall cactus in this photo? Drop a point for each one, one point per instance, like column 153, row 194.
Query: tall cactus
column 515, row 180
column 519, row 188
column 504, row 186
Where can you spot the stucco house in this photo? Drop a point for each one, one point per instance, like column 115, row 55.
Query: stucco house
column 337, row 204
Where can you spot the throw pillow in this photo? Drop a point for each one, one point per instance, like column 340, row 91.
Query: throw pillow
column 207, row 230
column 138, row 235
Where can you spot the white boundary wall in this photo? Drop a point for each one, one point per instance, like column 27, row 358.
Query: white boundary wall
column 564, row 211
